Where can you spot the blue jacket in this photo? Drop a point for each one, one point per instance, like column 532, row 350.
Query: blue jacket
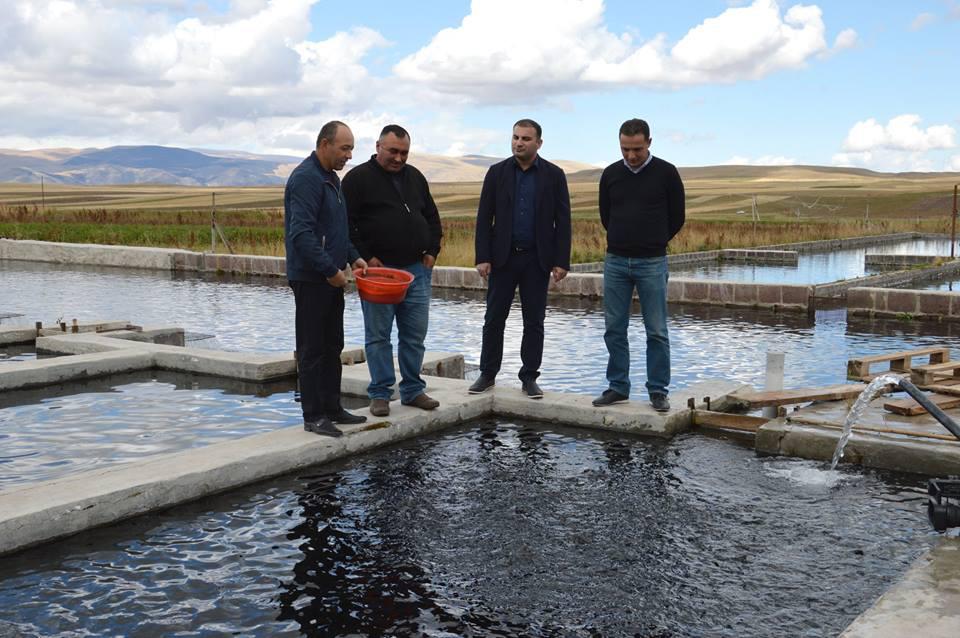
column 315, row 229
column 551, row 217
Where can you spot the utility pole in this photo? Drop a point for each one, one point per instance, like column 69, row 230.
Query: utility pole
column 213, row 222
column 43, row 196
column 953, row 224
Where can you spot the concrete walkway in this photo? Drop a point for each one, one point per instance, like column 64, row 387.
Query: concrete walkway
column 925, row 603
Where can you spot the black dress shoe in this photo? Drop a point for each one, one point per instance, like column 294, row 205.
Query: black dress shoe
column 324, row 427
column 482, row 385
column 659, row 402
column 610, row 397
column 345, row 418
column 532, row 390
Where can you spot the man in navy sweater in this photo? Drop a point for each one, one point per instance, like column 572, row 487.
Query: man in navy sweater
column 641, row 208
column 317, row 242
column 522, row 238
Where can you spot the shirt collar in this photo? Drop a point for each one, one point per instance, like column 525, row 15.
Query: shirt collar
column 641, row 167
column 536, row 163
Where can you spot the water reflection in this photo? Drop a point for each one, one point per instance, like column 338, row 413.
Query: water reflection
column 813, row 268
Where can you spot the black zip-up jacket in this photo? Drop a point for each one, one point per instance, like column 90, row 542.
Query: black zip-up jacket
column 315, row 231
column 641, row 212
column 396, row 226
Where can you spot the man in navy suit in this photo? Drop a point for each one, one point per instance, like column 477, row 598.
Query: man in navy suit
column 522, row 238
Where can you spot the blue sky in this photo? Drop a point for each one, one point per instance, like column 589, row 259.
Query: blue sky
column 833, row 82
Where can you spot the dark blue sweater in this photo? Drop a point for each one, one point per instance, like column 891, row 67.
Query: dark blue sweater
column 641, row 211
column 315, row 230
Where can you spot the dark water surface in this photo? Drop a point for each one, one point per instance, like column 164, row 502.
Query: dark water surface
column 494, row 529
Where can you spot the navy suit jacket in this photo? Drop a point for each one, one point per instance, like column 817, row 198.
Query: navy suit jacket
column 551, row 218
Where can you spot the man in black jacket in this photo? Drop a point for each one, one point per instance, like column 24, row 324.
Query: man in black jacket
column 523, row 236
column 394, row 222
column 318, row 246
column 642, row 208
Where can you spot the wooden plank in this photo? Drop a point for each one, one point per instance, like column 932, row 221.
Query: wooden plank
column 864, row 429
column 942, row 388
column 801, row 395
column 925, row 375
column 725, row 421
column 899, row 361
column 909, row 407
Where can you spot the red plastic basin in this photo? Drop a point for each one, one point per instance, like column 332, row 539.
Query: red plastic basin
column 383, row 285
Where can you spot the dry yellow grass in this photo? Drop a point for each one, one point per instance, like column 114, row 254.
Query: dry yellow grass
column 794, row 203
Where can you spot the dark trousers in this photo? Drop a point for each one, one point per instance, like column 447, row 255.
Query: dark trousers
column 522, row 270
column 319, row 326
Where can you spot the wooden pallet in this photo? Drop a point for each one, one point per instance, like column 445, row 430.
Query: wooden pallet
column 859, row 369
column 934, row 372
column 909, row 407
column 726, row 421
column 801, row 395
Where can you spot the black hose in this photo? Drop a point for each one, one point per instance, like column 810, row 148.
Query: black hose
column 930, row 407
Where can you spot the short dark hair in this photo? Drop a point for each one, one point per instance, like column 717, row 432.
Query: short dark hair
column 528, row 123
column 396, row 129
column 635, row 127
column 329, row 131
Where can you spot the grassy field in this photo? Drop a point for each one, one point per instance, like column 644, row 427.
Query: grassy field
column 794, row 204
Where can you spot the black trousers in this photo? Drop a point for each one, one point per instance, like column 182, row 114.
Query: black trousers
column 319, row 326
column 522, row 270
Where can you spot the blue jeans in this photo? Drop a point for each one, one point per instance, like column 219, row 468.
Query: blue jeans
column 649, row 276
column 412, row 315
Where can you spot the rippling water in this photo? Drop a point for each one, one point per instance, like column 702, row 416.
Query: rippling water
column 494, row 529
column 256, row 314
column 88, row 425
column 815, row 268
column 113, row 421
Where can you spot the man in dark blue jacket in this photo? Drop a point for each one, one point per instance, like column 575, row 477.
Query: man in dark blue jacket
column 522, row 238
column 317, row 241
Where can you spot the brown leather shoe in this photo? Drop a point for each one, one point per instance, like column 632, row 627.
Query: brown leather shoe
column 379, row 407
column 423, row 402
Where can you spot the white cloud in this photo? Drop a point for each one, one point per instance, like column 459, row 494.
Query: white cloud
column 900, row 133
column 846, row 39
column 127, row 72
column 890, row 161
column 954, row 163
column 922, row 20
column 493, row 57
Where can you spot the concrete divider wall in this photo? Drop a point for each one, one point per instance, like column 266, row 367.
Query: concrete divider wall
column 900, row 260
column 917, row 304
column 896, row 278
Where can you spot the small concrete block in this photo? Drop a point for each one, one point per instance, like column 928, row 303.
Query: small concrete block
column 932, row 303
column 675, row 290
column 745, row 294
column 901, row 301
column 721, row 292
column 695, row 291
column 768, row 295
column 860, row 298
column 796, row 295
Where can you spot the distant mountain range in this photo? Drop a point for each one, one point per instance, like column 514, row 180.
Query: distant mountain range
column 197, row 167
column 187, row 167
